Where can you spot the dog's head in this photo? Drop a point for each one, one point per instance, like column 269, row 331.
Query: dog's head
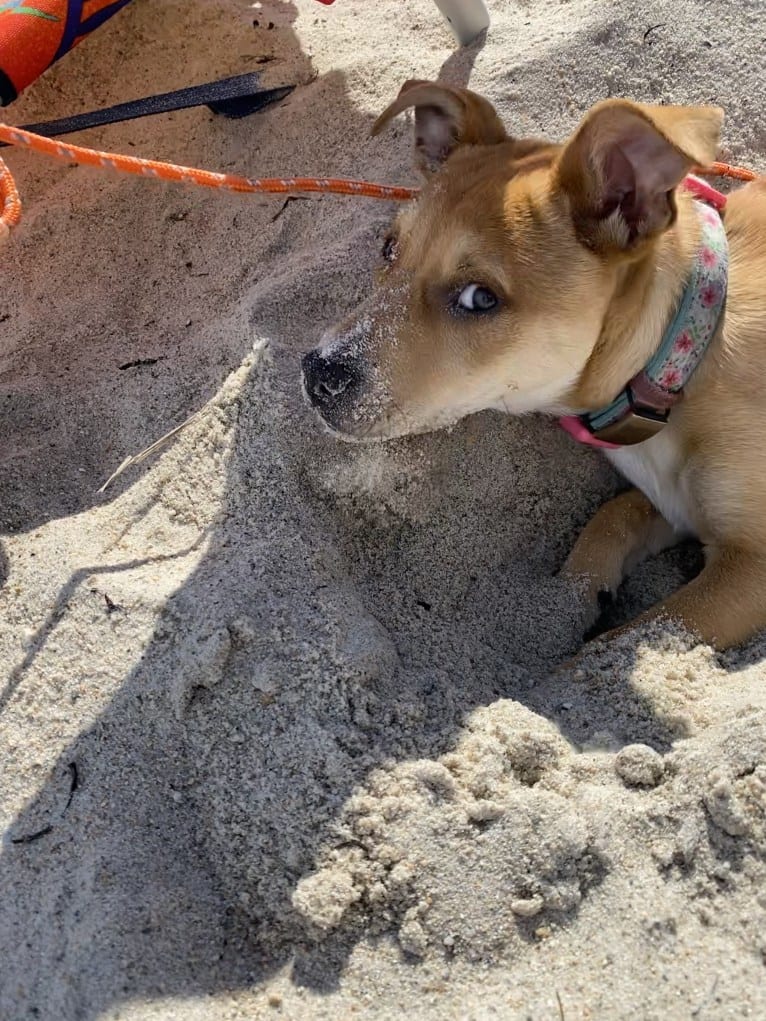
column 497, row 278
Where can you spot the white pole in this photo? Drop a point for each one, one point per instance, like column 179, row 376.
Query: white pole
column 467, row 18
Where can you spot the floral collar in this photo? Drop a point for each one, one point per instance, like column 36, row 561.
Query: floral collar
column 643, row 408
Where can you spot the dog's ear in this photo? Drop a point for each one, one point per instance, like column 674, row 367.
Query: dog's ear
column 622, row 166
column 445, row 118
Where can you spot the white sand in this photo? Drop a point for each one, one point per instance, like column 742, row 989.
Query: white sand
column 324, row 770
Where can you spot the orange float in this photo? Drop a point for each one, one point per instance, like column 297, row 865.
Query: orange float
column 35, row 33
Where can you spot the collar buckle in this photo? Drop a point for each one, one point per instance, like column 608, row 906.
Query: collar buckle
column 640, row 422
column 635, row 427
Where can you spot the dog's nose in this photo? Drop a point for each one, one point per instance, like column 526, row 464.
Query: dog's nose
column 328, row 380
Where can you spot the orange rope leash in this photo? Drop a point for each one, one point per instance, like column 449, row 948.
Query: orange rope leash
column 10, row 210
column 9, row 216
column 10, row 207
column 727, row 170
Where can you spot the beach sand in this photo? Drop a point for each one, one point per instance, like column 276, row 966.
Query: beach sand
column 281, row 730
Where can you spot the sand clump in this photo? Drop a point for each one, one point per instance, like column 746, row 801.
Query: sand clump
column 325, row 763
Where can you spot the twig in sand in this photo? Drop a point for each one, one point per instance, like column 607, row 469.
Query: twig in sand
column 561, row 1006
column 701, row 1006
column 138, row 458
column 290, row 198
column 140, row 361
column 653, row 28
column 111, row 606
column 30, row 838
column 74, row 783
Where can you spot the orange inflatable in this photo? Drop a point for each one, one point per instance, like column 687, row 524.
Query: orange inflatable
column 35, row 33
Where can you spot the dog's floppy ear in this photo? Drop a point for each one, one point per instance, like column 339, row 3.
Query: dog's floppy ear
column 623, row 164
column 445, row 118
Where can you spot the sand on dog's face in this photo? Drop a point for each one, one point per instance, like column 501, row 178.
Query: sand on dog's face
column 420, row 360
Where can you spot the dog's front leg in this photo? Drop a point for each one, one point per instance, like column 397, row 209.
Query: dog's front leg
column 621, row 533
column 723, row 606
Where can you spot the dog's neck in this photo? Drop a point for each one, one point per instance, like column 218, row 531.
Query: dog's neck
column 644, row 294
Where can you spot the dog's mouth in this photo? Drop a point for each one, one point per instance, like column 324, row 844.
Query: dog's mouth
column 354, row 402
column 365, row 412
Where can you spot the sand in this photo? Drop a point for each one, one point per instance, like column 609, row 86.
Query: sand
column 286, row 710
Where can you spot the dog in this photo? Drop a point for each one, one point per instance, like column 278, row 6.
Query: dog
column 529, row 276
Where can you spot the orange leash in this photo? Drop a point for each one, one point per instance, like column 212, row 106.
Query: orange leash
column 11, row 207
column 10, row 204
column 727, row 170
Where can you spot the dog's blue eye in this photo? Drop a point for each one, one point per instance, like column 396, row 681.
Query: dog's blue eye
column 475, row 298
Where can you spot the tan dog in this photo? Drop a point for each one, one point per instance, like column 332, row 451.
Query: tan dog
column 532, row 277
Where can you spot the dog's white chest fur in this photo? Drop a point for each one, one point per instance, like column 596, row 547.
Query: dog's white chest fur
column 656, row 468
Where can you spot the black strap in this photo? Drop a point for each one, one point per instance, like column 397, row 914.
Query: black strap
column 7, row 90
column 233, row 97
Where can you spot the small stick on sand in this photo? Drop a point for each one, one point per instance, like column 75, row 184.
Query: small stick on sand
column 561, row 1006
column 138, row 458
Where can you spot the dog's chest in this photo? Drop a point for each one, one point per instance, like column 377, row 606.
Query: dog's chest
column 656, row 468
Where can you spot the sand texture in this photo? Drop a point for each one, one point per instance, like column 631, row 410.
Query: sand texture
column 286, row 709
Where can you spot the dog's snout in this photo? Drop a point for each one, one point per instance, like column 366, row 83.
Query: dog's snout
column 328, row 380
